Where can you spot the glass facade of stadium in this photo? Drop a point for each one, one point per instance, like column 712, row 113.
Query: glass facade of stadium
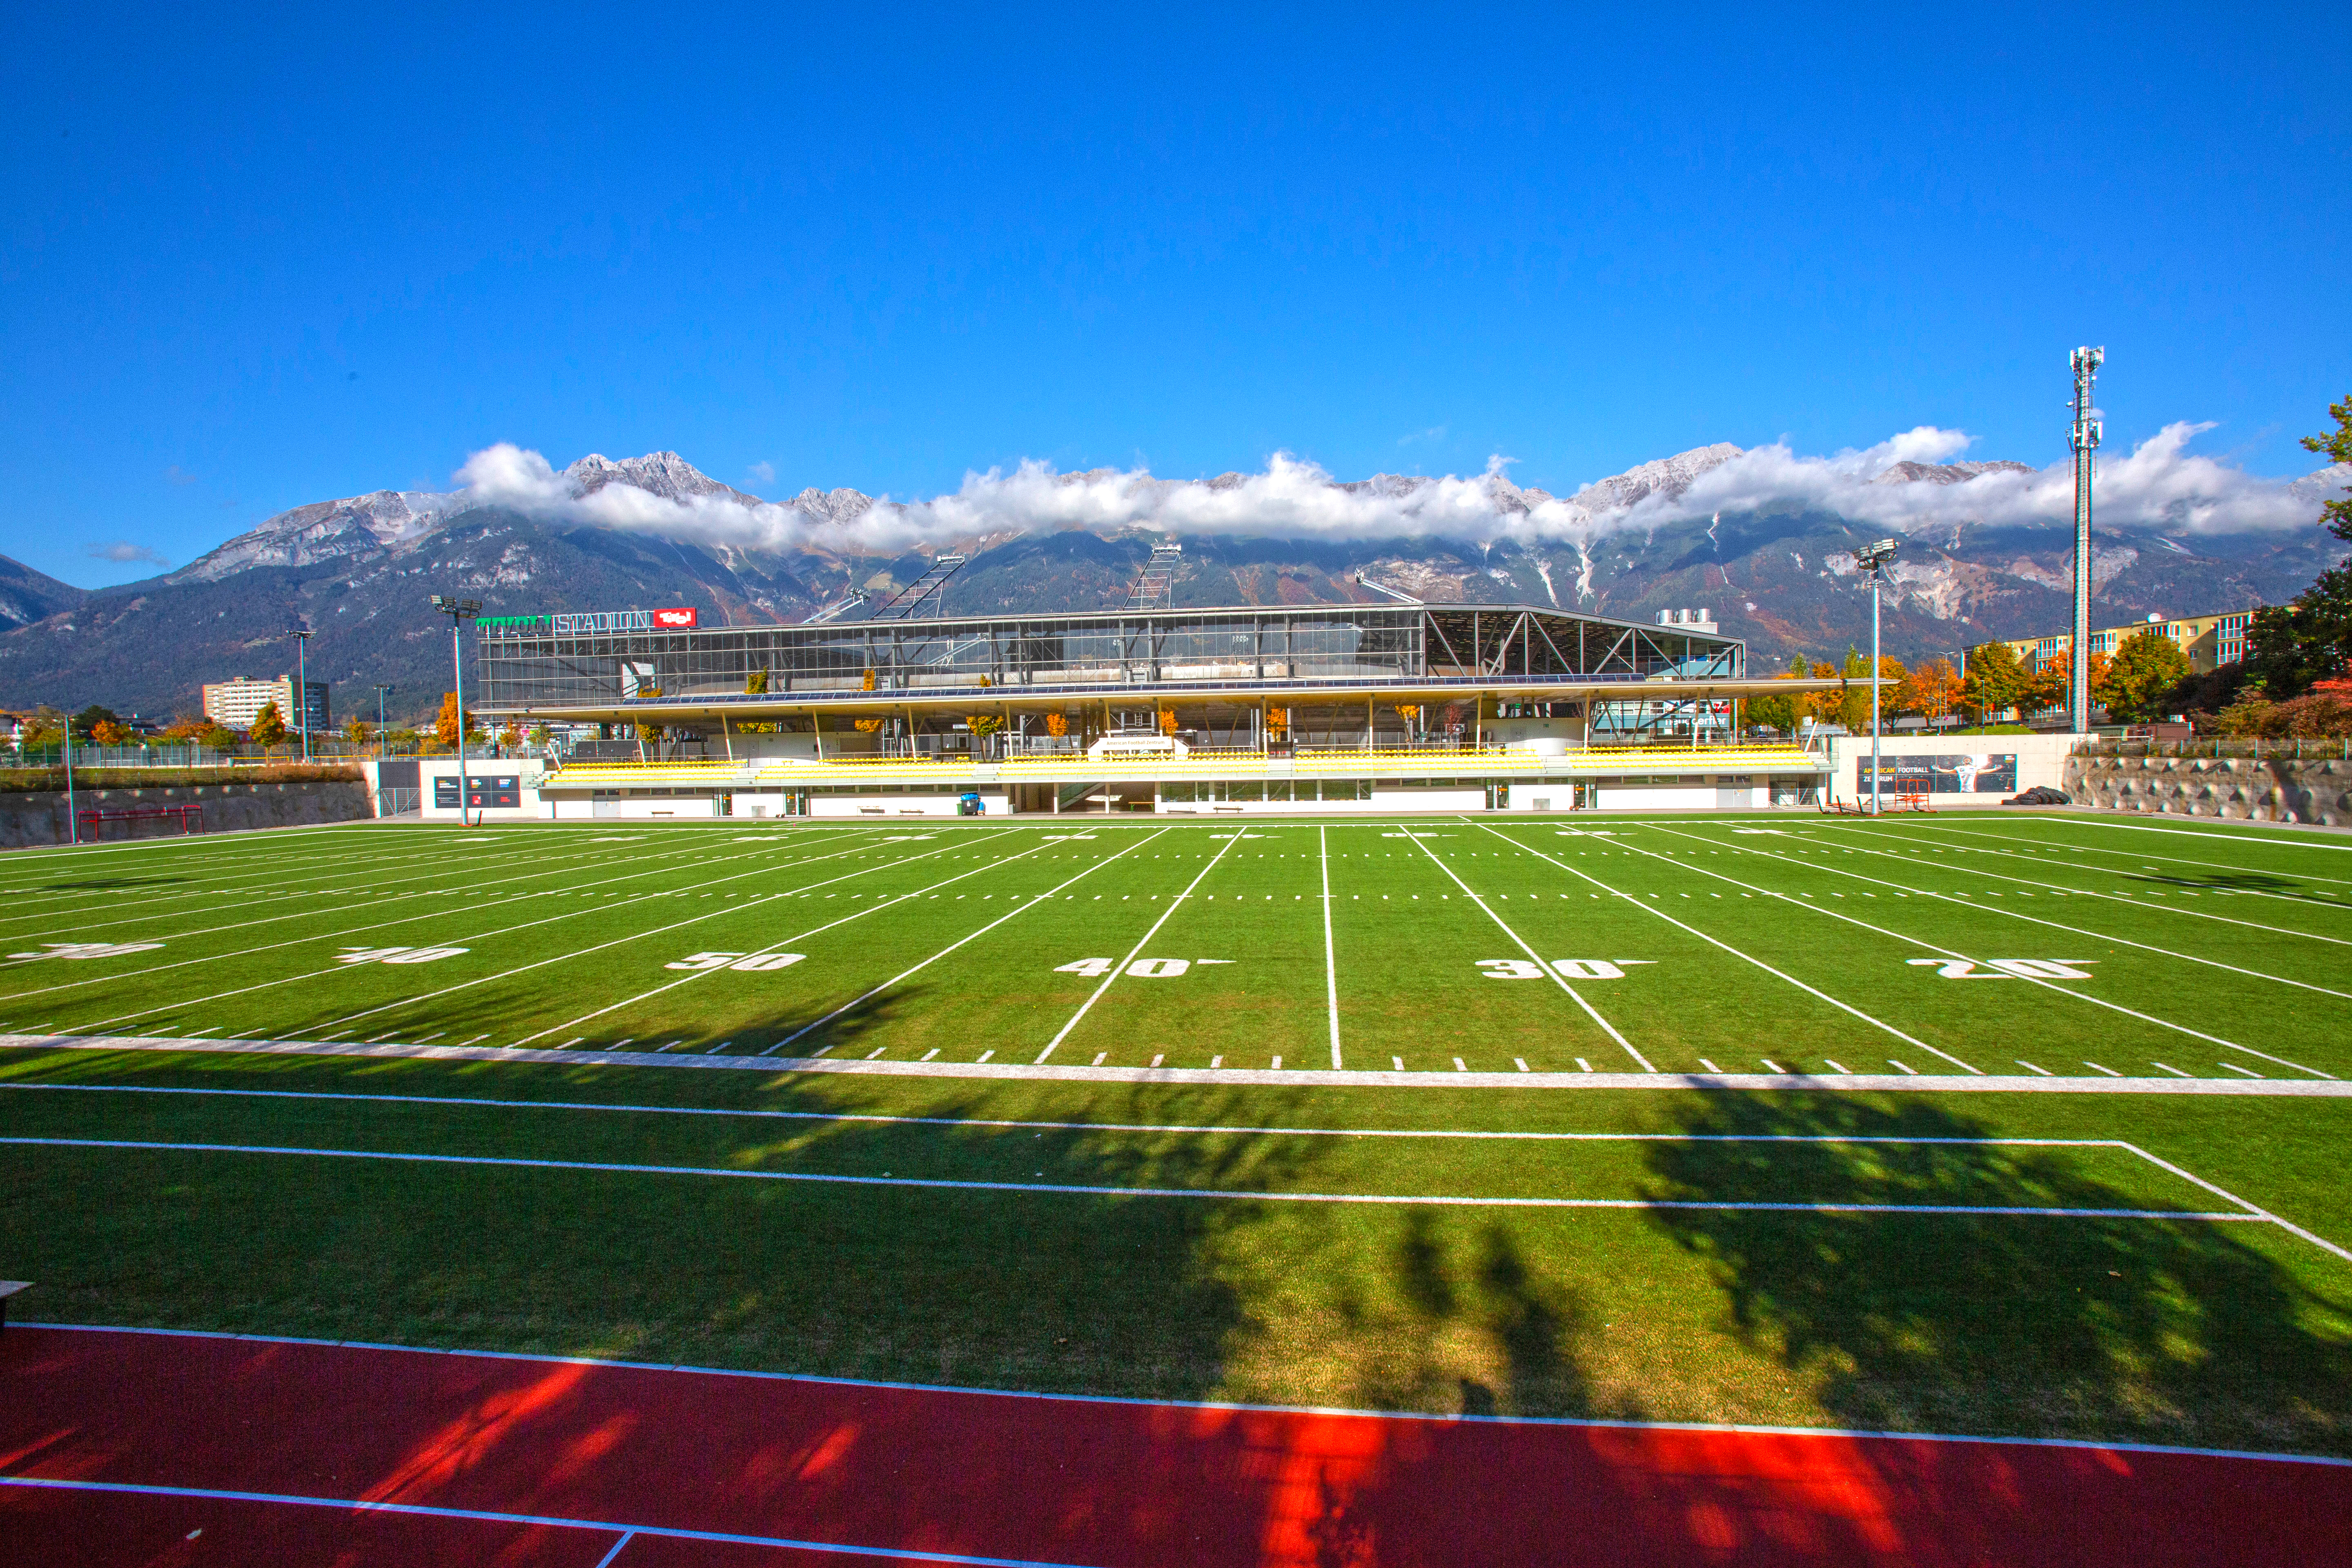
column 1339, row 707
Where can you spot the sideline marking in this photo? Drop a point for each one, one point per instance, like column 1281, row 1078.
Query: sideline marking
column 1557, row 978
column 1229, row 1194
column 2311, row 1088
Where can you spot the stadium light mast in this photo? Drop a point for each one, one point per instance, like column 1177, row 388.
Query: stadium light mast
column 303, row 682
column 381, row 692
column 2083, row 436
column 1871, row 560
column 459, row 611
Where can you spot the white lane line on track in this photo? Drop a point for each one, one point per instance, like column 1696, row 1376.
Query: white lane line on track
column 2031, row 980
column 536, row 1520
column 1416, row 840
column 1389, row 1417
column 1120, row 967
column 1330, row 962
column 1229, row 1194
column 2055, row 925
column 311, row 936
column 880, row 903
column 1016, row 909
column 506, row 930
column 1726, row 947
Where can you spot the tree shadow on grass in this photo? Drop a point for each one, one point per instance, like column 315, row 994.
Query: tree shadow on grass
column 2186, row 1331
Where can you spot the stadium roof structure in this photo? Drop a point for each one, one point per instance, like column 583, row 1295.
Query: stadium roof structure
column 1241, row 653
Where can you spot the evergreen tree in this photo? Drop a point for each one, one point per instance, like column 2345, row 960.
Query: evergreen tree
column 2336, row 445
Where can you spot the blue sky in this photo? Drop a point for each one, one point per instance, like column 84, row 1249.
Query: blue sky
column 250, row 261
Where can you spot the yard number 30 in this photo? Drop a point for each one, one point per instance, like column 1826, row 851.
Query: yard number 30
column 737, row 961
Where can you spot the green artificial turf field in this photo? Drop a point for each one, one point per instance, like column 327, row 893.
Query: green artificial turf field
column 1956, row 1256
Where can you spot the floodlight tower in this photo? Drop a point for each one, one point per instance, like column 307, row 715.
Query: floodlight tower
column 1870, row 559
column 459, row 611
column 2083, row 436
column 302, row 683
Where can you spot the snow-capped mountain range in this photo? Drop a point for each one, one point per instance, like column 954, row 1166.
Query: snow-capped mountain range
column 1761, row 537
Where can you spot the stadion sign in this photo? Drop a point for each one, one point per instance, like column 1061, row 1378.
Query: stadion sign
column 595, row 622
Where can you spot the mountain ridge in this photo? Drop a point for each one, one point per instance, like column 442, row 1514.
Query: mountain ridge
column 357, row 570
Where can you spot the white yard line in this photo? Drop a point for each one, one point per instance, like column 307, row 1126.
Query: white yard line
column 1557, row 979
column 2127, row 900
column 1947, row 952
column 1120, row 967
column 2055, row 925
column 2225, row 834
column 539, row 871
column 917, row 968
column 1330, row 963
column 443, row 870
column 500, row 930
column 1851, row 1010
column 880, row 903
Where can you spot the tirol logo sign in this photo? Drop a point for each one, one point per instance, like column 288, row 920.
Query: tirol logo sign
column 674, row 618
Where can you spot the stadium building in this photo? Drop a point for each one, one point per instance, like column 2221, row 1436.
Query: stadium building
column 1335, row 708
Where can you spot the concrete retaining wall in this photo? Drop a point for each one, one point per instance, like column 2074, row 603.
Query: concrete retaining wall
column 2273, row 789
column 38, row 817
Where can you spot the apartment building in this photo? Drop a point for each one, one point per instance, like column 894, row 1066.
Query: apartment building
column 236, row 702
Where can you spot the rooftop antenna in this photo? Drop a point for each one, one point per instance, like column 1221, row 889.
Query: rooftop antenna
column 839, row 608
column 1154, row 587
column 2083, row 436
column 930, row 586
column 1399, row 594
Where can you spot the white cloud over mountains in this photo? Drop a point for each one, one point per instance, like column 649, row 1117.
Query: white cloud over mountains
column 2159, row 485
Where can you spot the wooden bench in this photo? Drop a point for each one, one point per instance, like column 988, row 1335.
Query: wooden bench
column 191, row 818
column 9, row 1287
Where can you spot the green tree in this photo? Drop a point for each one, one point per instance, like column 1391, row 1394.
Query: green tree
column 90, row 719
column 1854, row 702
column 2138, row 675
column 44, row 731
column 2290, row 648
column 1994, row 681
column 268, row 727
column 2336, row 445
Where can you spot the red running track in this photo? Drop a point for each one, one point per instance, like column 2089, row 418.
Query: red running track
column 267, row 1451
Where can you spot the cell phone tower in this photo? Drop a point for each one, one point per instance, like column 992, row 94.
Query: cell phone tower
column 2084, row 437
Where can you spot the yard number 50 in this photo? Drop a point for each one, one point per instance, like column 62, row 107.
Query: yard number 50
column 737, row 961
